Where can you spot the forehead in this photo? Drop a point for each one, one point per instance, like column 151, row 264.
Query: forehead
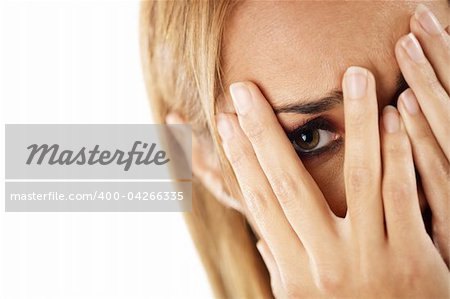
column 302, row 48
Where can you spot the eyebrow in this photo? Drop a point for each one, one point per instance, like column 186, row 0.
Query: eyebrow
column 330, row 100
column 323, row 104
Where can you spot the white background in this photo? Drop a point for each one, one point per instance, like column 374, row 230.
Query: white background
column 78, row 62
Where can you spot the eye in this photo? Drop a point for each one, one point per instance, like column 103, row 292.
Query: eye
column 312, row 139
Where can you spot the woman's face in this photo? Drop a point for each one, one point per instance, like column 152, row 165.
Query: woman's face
column 297, row 53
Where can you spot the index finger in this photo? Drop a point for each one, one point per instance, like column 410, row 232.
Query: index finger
column 299, row 196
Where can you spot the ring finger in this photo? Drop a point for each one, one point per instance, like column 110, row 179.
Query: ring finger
column 431, row 163
column 431, row 95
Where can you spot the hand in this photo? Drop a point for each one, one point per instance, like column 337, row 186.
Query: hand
column 425, row 110
column 380, row 249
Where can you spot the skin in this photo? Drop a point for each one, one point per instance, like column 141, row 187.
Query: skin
column 381, row 247
column 378, row 243
column 259, row 37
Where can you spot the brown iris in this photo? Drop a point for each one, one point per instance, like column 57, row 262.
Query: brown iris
column 308, row 140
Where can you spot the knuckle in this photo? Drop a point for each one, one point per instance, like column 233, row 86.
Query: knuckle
column 238, row 154
column 397, row 148
column 396, row 191
column 410, row 271
column 291, row 286
column 422, row 135
column 283, row 185
column 330, row 282
column 447, row 47
column 432, row 80
column 441, row 165
column 255, row 200
column 435, row 167
column 289, row 203
column 254, row 129
column 251, row 194
column 444, row 39
column 356, row 119
column 233, row 153
column 358, row 178
column 436, row 88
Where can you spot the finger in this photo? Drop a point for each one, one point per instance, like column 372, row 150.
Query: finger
column 275, row 278
column 433, row 166
column 435, row 42
column 429, row 159
column 404, row 222
column 433, row 99
column 362, row 166
column 447, row 29
column 263, row 209
column 300, row 198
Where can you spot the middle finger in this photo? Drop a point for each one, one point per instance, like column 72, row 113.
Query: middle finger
column 362, row 166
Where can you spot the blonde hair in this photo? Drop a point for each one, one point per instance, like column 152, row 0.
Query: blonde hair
column 181, row 48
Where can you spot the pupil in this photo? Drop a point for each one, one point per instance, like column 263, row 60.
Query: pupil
column 307, row 137
column 308, row 140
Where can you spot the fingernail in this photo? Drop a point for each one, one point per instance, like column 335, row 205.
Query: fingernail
column 428, row 20
column 356, row 82
column 224, row 127
column 412, row 47
column 241, row 97
column 410, row 102
column 391, row 121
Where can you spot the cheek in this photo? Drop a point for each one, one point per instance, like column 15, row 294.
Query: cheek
column 329, row 176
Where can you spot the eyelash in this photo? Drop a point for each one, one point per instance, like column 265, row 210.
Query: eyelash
column 318, row 123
